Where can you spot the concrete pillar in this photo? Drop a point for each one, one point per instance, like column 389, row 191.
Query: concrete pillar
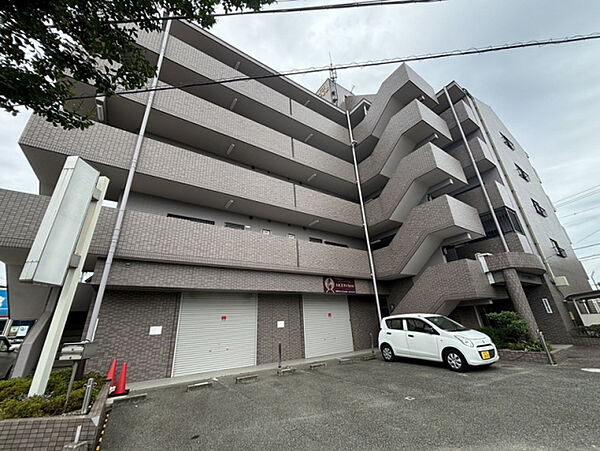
column 519, row 299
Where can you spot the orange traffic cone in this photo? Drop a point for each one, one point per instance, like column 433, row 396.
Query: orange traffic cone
column 112, row 373
column 122, row 382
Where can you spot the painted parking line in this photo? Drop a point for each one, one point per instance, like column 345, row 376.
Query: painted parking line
column 591, row 370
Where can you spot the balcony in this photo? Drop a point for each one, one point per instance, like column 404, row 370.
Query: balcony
column 427, row 169
column 440, row 288
column 481, row 154
column 163, row 170
column 152, row 238
column 406, row 130
column 402, row 87
column 185, row 64
column 424, row 230
column 466, row 117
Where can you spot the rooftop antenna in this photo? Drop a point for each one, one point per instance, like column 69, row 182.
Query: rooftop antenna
column 333, row 81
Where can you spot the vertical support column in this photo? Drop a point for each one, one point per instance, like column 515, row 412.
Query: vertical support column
column 93, row 323
column 364, row 216
column 519, row 299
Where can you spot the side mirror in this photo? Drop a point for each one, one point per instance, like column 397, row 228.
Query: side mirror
column 430, row 330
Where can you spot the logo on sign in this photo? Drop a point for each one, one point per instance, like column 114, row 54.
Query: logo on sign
column 337, row 285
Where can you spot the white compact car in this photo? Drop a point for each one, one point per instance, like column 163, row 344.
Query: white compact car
column 434, row 337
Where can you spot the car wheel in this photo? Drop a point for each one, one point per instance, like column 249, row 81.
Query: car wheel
column 455, row 360
column 387, row 353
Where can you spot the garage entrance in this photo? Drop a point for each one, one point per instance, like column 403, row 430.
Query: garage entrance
column 216, row 331
column 326, row 325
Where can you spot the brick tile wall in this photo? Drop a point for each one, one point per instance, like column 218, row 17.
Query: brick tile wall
column 124, row 322
column 363, row 319
column 279, row 307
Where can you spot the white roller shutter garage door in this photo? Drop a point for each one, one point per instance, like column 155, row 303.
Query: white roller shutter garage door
column 326, row 325
column 216, row 331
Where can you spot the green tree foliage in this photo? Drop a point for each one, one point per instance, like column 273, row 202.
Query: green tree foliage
column 45, row 43
column 509, row 331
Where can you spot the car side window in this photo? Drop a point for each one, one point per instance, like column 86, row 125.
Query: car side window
column 416, row 325
column 394, row 323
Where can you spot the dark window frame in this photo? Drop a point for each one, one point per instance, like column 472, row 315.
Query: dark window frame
column 507, row 141
column 190, row 218
column 524, row 175
column 561, row 252
column 539, row 209
column 333, row 243
column 508, row 219
column 235, row 225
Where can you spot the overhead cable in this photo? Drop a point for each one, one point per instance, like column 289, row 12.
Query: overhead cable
column 353, row 65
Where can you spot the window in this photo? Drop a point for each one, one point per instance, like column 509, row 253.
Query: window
column 233, row 225
column 509, row 222
column 333, row 243
column 188, row 218
column 524, row 175
column 559, row 250
column 416, row 325
column 312, row 239
column 266, row 231
column 508, row 142
column 292, row 236
column 547, row 305
column 540, row 210
column 394, row 323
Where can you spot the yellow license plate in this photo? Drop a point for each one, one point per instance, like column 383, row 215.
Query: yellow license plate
column 485, row 355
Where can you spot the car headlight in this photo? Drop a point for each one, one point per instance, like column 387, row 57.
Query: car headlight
column 465, row 341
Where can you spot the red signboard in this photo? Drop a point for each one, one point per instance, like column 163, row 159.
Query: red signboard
column 337, row 285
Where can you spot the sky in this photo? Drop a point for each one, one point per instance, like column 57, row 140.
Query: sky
column 549, row 97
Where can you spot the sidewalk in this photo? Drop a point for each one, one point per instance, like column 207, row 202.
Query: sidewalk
column 193, row 378
column 583, row 357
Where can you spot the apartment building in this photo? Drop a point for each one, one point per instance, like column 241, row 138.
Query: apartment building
column 243, row 228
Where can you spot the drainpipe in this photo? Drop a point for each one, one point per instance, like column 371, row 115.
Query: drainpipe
column 490, row 142
column 477, row 173
column 364, row 216
column 93, row 324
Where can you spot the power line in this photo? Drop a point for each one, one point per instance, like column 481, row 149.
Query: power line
column 585, row 210
column 585, row 247
column 579, row 195
column 284, row 10
column 353, row 65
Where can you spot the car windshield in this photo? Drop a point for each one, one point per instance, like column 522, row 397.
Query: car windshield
column 446, row 323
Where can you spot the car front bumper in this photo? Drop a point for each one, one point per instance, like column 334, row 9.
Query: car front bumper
column 474, row 358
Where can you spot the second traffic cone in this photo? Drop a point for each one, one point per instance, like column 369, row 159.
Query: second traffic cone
column 122, row 382
column 112, row 373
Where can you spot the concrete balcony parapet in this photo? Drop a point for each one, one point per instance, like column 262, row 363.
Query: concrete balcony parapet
column 405, row 131
column 427, row 226
column 521, row 261
column 482, row 154
column 154, row 238
column 400, row 88
column 440, row 288
column 466, row 117
column 163, row 168
column 185, row 64
column 417, row 174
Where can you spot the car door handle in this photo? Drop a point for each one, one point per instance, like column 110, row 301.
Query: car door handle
column 389, row 333
column 411, row 336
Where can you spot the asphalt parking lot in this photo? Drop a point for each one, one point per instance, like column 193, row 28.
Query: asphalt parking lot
column 371, row 405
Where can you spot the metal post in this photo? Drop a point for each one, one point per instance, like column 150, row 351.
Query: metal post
column 88, row 395
column 93, row 324
column 372, row 347
column 477, row 173
column 63, row 306
column 279, row 366
column 545, row 345
column 70, row 387
column 364, row 216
